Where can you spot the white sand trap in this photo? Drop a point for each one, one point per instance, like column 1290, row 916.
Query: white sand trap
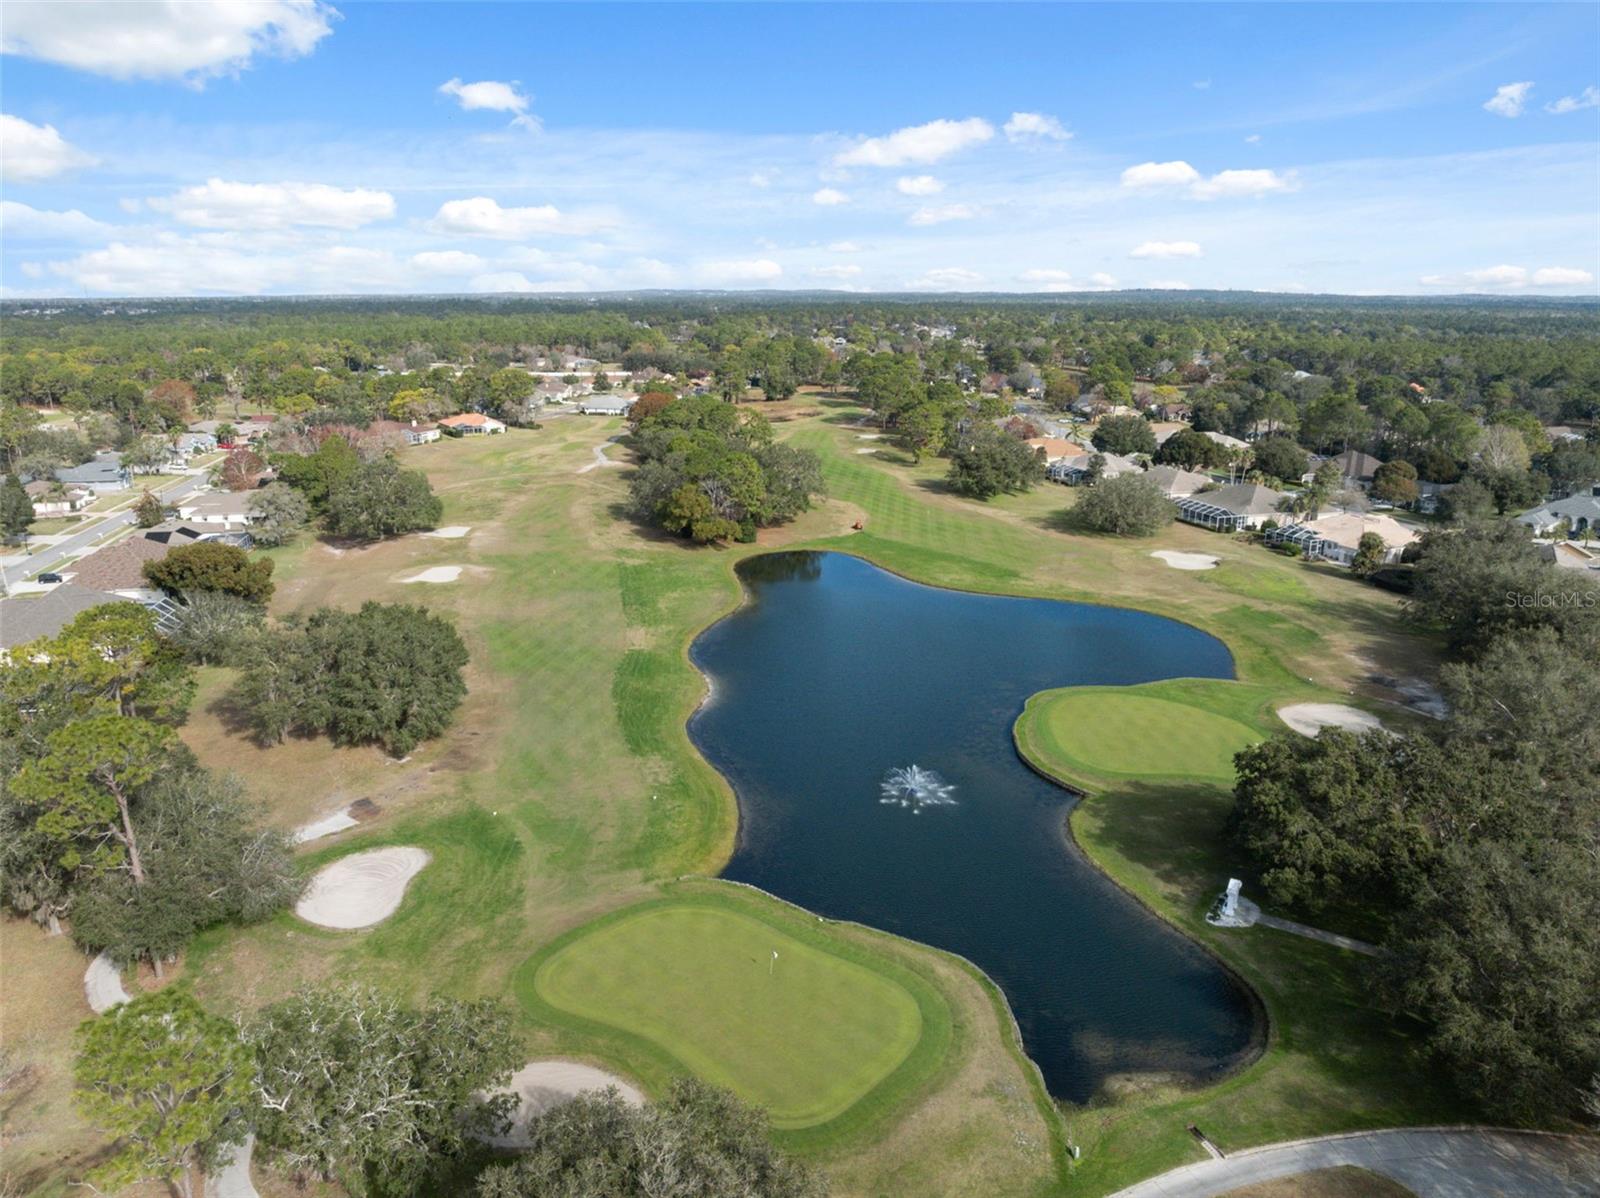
column 233, row 1179
column 869, row 436
column 326, row 826
column 436, row 574
column 450, row 532
column 362, row 889
column 540, row 1085
column 868, row 449
column 102, row 985
column 1310, row 718
column 1187, row 561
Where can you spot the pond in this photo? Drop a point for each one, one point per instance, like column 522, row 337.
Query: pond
column 836, row 678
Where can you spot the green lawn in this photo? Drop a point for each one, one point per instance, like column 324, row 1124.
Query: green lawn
column 1160, row 730
column 807, row 1034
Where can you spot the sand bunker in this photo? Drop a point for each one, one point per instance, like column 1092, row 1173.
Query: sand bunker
column 102, row 985
column 1310, row 718
column 233, row 1179
column 436, row 574
column 869, row 436
column 540, row 1085
column 362, row 889
column 1187, row 561
column 868, row 449
column 449, row 532
column 326, row 826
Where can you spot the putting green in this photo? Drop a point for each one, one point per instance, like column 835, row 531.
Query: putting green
column 807, row 1035
column 1188, row 729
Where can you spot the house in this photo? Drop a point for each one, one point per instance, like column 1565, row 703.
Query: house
column 413, row 433
column 1231, row 508
column 118, row 569
column 1176, row 482
column 1056, row 448
column 1226, row 441
column 214, row 509
column 53, row 499
column 1336, row 536
column 1562, row 432
column 1076, row 469
column 104, row 474
column 1174, row 411
column 176, row 533
column 192, row 443
column 1580, row 511
column 471, row 424
column 1356, row 468
column 605, row 405
column 1570, row 555
column 26, row 618
column 1163, row 429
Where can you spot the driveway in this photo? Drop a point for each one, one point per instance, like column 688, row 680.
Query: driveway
column 1432, row 1162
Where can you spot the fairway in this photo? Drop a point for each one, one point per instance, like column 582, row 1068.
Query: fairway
column 1149, row 732
column 806, row 1035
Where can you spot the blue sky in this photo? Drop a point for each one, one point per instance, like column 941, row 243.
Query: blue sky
column 292, row 146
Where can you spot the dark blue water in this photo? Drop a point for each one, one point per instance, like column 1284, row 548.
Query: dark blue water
column 836, row 672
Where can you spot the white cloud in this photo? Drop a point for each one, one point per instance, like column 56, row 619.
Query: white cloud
column 1589, row 97
column 844, row 247
column 842, row 271
column 130, row 203
column 1509, row 99
column 1167, row 285
column 482, row 216
column 1510, row 277
column 829, row 197
column 447, row 262
column 938, row 214
column 747, row 270
column 918, row 144
column 29, row 152
column 504, row 280
column 918, row 185
column 1160, row 174
column 1166, row 249
column 760, row 179
column 1101, row 279
column 492, row 96
column 193, row 40
column 1040, row 275
column 951, row 277
column 219, row 204
column 1028, row 126
column 1253, row 139
column 1242, row 183
column 20, row 220
column 1201, row 85
column 1151, row 175
column 1561, row 276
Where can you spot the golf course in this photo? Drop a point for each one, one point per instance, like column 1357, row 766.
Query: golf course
column 574, row 834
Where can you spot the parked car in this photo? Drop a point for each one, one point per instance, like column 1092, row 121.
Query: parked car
column 49, row 576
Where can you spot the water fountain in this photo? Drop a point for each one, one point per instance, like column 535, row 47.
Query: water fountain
column 914, row 787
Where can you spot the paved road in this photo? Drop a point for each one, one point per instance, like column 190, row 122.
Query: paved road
column 43, row 558
column 1433, row 1163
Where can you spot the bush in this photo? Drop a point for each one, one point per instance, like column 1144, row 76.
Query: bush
column 990, row 462
column 1129, row 506
column 212, row 566
column 381, row 500
column 1125, row 435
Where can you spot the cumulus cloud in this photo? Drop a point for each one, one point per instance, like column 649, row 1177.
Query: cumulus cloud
column 164, row 39
column 841, row 271
column 482, row 216
column 1035, row 126
column 1165, row 249
column 917, row 145
column 1101, row 279
column 1589, row 97
column 760, row 179
column 447, row 262
column 829, row 197
column 23, row 221
column 1044, row 275
column 844, row 247
column 490, row 95
column 951, row 277
column 1253, row 139
column 938, row 214
column 219, row 204
column 1160, row 174
column 503, row 280
column 1167, row 285
column 29, row 152
column 744, row 270
column 1511, row 277
column 918, row 185
column 1509, row 99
